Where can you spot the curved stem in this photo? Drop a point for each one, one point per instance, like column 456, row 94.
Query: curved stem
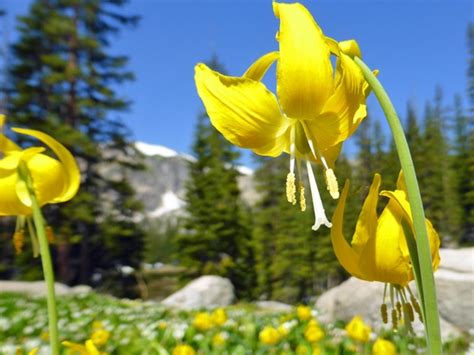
column 427, row 284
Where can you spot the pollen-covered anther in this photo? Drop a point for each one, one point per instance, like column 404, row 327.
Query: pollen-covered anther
column 416, row 307
column 399, row 309
column 384, row 313
column 394, row 319
column 302, row 198
column 50, row 235
column 291, row 188
column 331, row 183
column 409, row 311
column 18, row 241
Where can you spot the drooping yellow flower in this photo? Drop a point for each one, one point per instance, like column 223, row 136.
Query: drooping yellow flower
column 219, row 317
column 379, row 250
column 303, row 312
column 384, row 347
column 219, row 339
column 202, row 321
column 358, row 330
column 183, row 349
column 317, row 108
column 54, row 180
column 100, row 336
column 269, row 335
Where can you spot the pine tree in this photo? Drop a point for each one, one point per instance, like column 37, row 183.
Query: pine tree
column 62, row 81
column 436, row 179
column 216, row 239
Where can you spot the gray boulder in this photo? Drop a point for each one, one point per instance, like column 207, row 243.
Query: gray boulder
column 274, row 306
column 206, row 292
column 35, row 288
column 455, row 291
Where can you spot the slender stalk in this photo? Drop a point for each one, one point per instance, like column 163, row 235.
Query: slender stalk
column 45, row 261
column 428, row 291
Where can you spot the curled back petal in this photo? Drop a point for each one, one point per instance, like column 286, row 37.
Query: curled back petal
column 344, row 252
column 344, row 109
column 304, row 70
column 243, row 110
column 70, row 170
column 367, row 222
column 258, row 68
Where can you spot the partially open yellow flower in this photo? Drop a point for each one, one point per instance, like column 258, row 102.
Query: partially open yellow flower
column 313, row 332
column 384, row 347
column 203, row 321
column 78, row 349
column 317, row 108
column 54, row 180
column 303, row 312
column 269, row 336
column 379, row 251
column 358, row 330
column 183, row 349
column 219, row 317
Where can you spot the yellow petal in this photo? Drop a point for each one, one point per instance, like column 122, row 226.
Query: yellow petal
column 344, row 252
column 91, row 349
column 345, row 108
column 304, row 70
column 70, row 171
column 243, row 110
column 7, row 144
column 10, row 204
column 48, row 178
column 385, row 256
column 367, row 222
column 258, row 69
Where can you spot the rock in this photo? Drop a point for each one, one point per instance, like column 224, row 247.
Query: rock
column 80, row 289
column 204, row 292
column 274, row 306
column 35, row 288
column 454, row 286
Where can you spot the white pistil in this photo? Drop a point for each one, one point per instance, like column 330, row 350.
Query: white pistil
column 319, row 214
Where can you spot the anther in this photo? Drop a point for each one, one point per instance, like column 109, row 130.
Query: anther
column 394, row 319
column 302, row 198
column 399, row 308
column 18, row 241
column 291, row 188
column 383, row 312
column 409, row 310
column 417, row 308
column 50, row 235
column 331, row 183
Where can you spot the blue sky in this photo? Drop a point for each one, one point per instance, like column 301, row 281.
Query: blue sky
column 415, row 44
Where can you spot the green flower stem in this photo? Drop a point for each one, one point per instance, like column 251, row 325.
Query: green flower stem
column 45, row 260
column 428, row 291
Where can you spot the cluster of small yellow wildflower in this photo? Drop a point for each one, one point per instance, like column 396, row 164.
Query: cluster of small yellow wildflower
column 204, row 320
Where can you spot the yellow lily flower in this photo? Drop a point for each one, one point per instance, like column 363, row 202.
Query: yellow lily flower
column 316, row 109
column 358, row 330
column 378, row 251
column 54, row 180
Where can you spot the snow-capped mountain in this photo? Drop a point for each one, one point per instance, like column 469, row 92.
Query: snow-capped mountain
column 161, row 186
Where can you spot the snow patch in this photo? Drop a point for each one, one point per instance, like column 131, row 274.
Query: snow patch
column 152, row 149
column 169, row 203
